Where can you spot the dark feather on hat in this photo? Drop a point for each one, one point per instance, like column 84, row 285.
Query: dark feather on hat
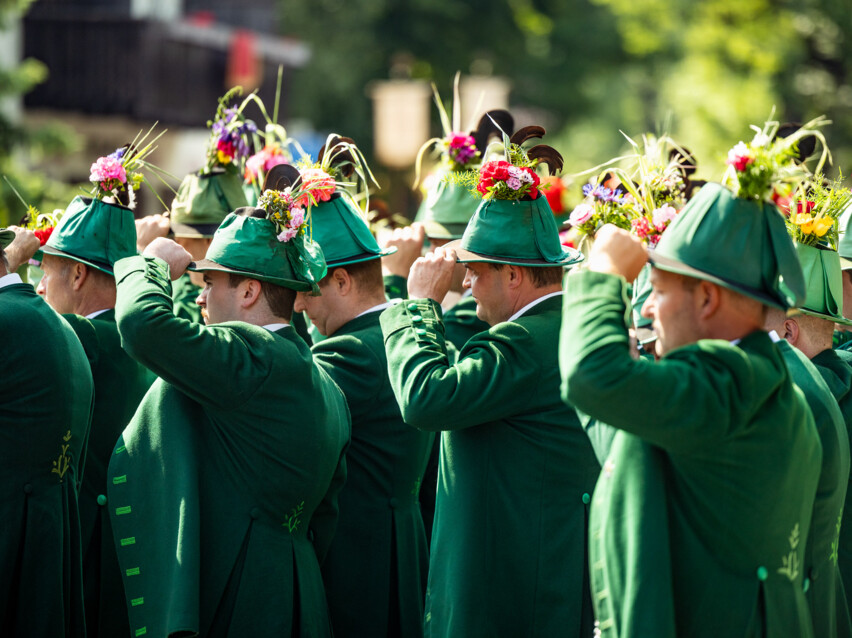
column 805, row 147
column 547, row 155
column 526, row 133
column 492, row 124
column 343, row 161
column 280, row 177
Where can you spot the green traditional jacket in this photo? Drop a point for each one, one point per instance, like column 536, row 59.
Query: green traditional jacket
column 223, row 488
column 120, row 384
column 824, row 589
column 380, row 531
column 739, row 464
column 835, row 366
column 45, row 411
column 509, row 543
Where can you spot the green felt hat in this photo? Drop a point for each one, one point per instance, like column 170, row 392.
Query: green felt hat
column 844, row 247
column 94, row 233
column 204, row 200
column 641, row 291
column 446, row 210
column 248, row 245
column 518, row 233
column 343, row 234
column 824, row 280
column 737, row 243
column 6, row 237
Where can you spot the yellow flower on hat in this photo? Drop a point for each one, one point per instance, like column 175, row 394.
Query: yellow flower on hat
column 822, row 225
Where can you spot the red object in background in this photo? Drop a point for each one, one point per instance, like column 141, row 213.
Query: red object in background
column 244, row 65
column 202, row 18
column 554, row 194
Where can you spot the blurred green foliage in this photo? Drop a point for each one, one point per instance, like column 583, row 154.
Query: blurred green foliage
column 593, row 67
column 23, row 148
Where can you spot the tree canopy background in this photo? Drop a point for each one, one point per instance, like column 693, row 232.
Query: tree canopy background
column 592, row 68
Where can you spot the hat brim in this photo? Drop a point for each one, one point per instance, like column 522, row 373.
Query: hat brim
column 436, row 230
column 845, row 264
column 843, row 321
column 194, row 231
column 6, row 237
column 357, row 259
column 49, row 250
column 465, row 256
column 204, row 265
column 672, row 265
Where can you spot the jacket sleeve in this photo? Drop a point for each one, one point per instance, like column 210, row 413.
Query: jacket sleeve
column 199, row 360
column 680, row 402
column 435, row 392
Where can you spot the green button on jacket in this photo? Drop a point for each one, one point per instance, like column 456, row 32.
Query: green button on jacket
column 45, row 411
column 509, row 542
column 380, row 531
column 120, row 384
column 223, row 488
column 738, row 467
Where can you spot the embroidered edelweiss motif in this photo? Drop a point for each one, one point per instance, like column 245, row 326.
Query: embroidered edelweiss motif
column 790, row 562
column 293, row 519
column 63, row 462
column 608, row 468
column 835, row 544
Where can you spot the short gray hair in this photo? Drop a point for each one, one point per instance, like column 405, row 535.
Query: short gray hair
column 4, row 260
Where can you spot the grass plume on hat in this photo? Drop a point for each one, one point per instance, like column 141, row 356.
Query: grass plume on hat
column 447, row 206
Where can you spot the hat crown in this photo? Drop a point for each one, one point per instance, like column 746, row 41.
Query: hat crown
column 344, row 236
column 517, row 231
column 95, row 232
column 446, row 209
column 205, row 199
column 742, row 243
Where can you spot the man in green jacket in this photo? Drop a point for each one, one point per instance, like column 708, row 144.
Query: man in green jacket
column 78, row 282
column 516, row 473
column 723, row 439
column 380, row 531
column 223, row 488
column 45, row 410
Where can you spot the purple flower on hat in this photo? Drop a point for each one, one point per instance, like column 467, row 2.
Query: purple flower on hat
column 514, row 183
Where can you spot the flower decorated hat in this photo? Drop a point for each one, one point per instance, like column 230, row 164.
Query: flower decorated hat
column 447, row 205
column 844, row 245
column 339, row 224
column 271, row 242
column 206, row 197
column 96, row 230
column 736, row 237
column 514, row 224
column 812, row 220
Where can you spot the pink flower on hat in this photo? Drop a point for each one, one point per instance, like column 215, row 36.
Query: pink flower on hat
column 662, row 216
column 297, row 218
column 319, row 183
column 740, row 157
column 581, row 214
column 106, row 170
column 287, row 234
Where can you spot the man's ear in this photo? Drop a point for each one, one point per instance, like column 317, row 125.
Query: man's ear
column 79, row 273
column 791, row 331
column 250, row 292
column 341, row 280
column 515, row 276
column 708, row 297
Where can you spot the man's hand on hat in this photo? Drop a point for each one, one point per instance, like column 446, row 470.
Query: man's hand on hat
column 148, row 229
column 175, row 255
column 431, row 276
column 617, row 252
column 22, row 248
column 409, row 246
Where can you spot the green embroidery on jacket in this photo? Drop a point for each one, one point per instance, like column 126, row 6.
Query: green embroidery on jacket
column 790, row 562
column 293, row 521
column 133, row 571
column 61, row 465
column 119, row 479
column 835, row 544
column 141, row 631
column 137, row 601
column 128, row 541
column 122, row 510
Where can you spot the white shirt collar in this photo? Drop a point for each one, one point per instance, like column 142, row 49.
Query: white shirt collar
column 274, row 327
column 381, row 306
column 97, row 312
column 535, row 302
column 10, row 280
column 774, row 336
